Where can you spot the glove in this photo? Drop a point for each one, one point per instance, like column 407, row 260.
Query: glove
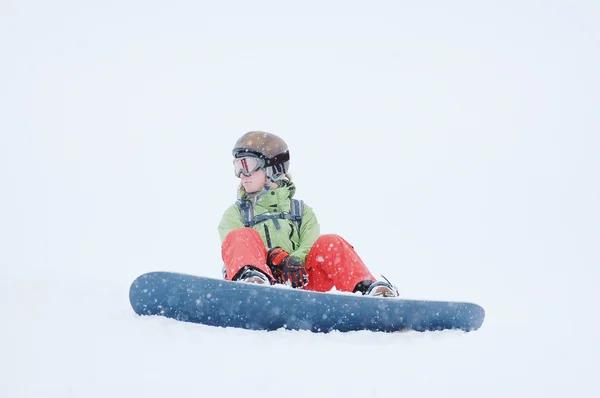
column 286, row 268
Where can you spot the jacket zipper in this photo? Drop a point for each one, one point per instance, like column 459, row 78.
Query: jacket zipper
column 268, row 236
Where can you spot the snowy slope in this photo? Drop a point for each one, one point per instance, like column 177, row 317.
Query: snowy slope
column 467, row 134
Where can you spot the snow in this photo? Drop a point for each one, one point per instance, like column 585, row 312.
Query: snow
column 455, row 145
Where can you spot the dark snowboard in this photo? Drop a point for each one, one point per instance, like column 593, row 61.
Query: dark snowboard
column 217, row 302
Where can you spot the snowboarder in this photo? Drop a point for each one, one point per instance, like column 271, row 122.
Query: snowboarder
column 269, row 237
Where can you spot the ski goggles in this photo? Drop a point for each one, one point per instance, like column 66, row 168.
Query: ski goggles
column 247, row 165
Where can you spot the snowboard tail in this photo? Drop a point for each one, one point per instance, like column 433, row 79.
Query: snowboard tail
column 218, row 302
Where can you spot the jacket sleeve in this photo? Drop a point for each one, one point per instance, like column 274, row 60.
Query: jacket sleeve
column 310, row 230
column 232, row 219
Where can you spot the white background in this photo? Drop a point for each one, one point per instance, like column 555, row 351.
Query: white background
column 454, row 144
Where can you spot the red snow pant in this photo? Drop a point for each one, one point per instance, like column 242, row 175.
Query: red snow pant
column 331, row 261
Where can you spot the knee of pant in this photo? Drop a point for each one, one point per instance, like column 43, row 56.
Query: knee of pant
column 241, row 232
column 330, row 239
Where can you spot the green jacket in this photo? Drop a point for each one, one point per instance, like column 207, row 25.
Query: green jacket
column 276, row 201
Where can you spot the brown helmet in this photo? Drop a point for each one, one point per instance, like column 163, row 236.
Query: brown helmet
column 269, row 147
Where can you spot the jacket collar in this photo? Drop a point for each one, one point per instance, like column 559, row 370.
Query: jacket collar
column 284, row 192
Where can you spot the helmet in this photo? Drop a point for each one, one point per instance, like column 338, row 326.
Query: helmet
column 268, row 147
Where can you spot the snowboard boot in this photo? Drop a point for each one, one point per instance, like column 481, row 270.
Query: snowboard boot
column 382, row 289
column 377, row 289
column 251, row 275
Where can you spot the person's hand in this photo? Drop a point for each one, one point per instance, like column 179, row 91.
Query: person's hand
column 286, row 268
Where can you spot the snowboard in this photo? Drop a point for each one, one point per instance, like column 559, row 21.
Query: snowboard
column 218, row 302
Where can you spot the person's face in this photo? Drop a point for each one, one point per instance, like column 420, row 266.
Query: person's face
column 255, row 182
